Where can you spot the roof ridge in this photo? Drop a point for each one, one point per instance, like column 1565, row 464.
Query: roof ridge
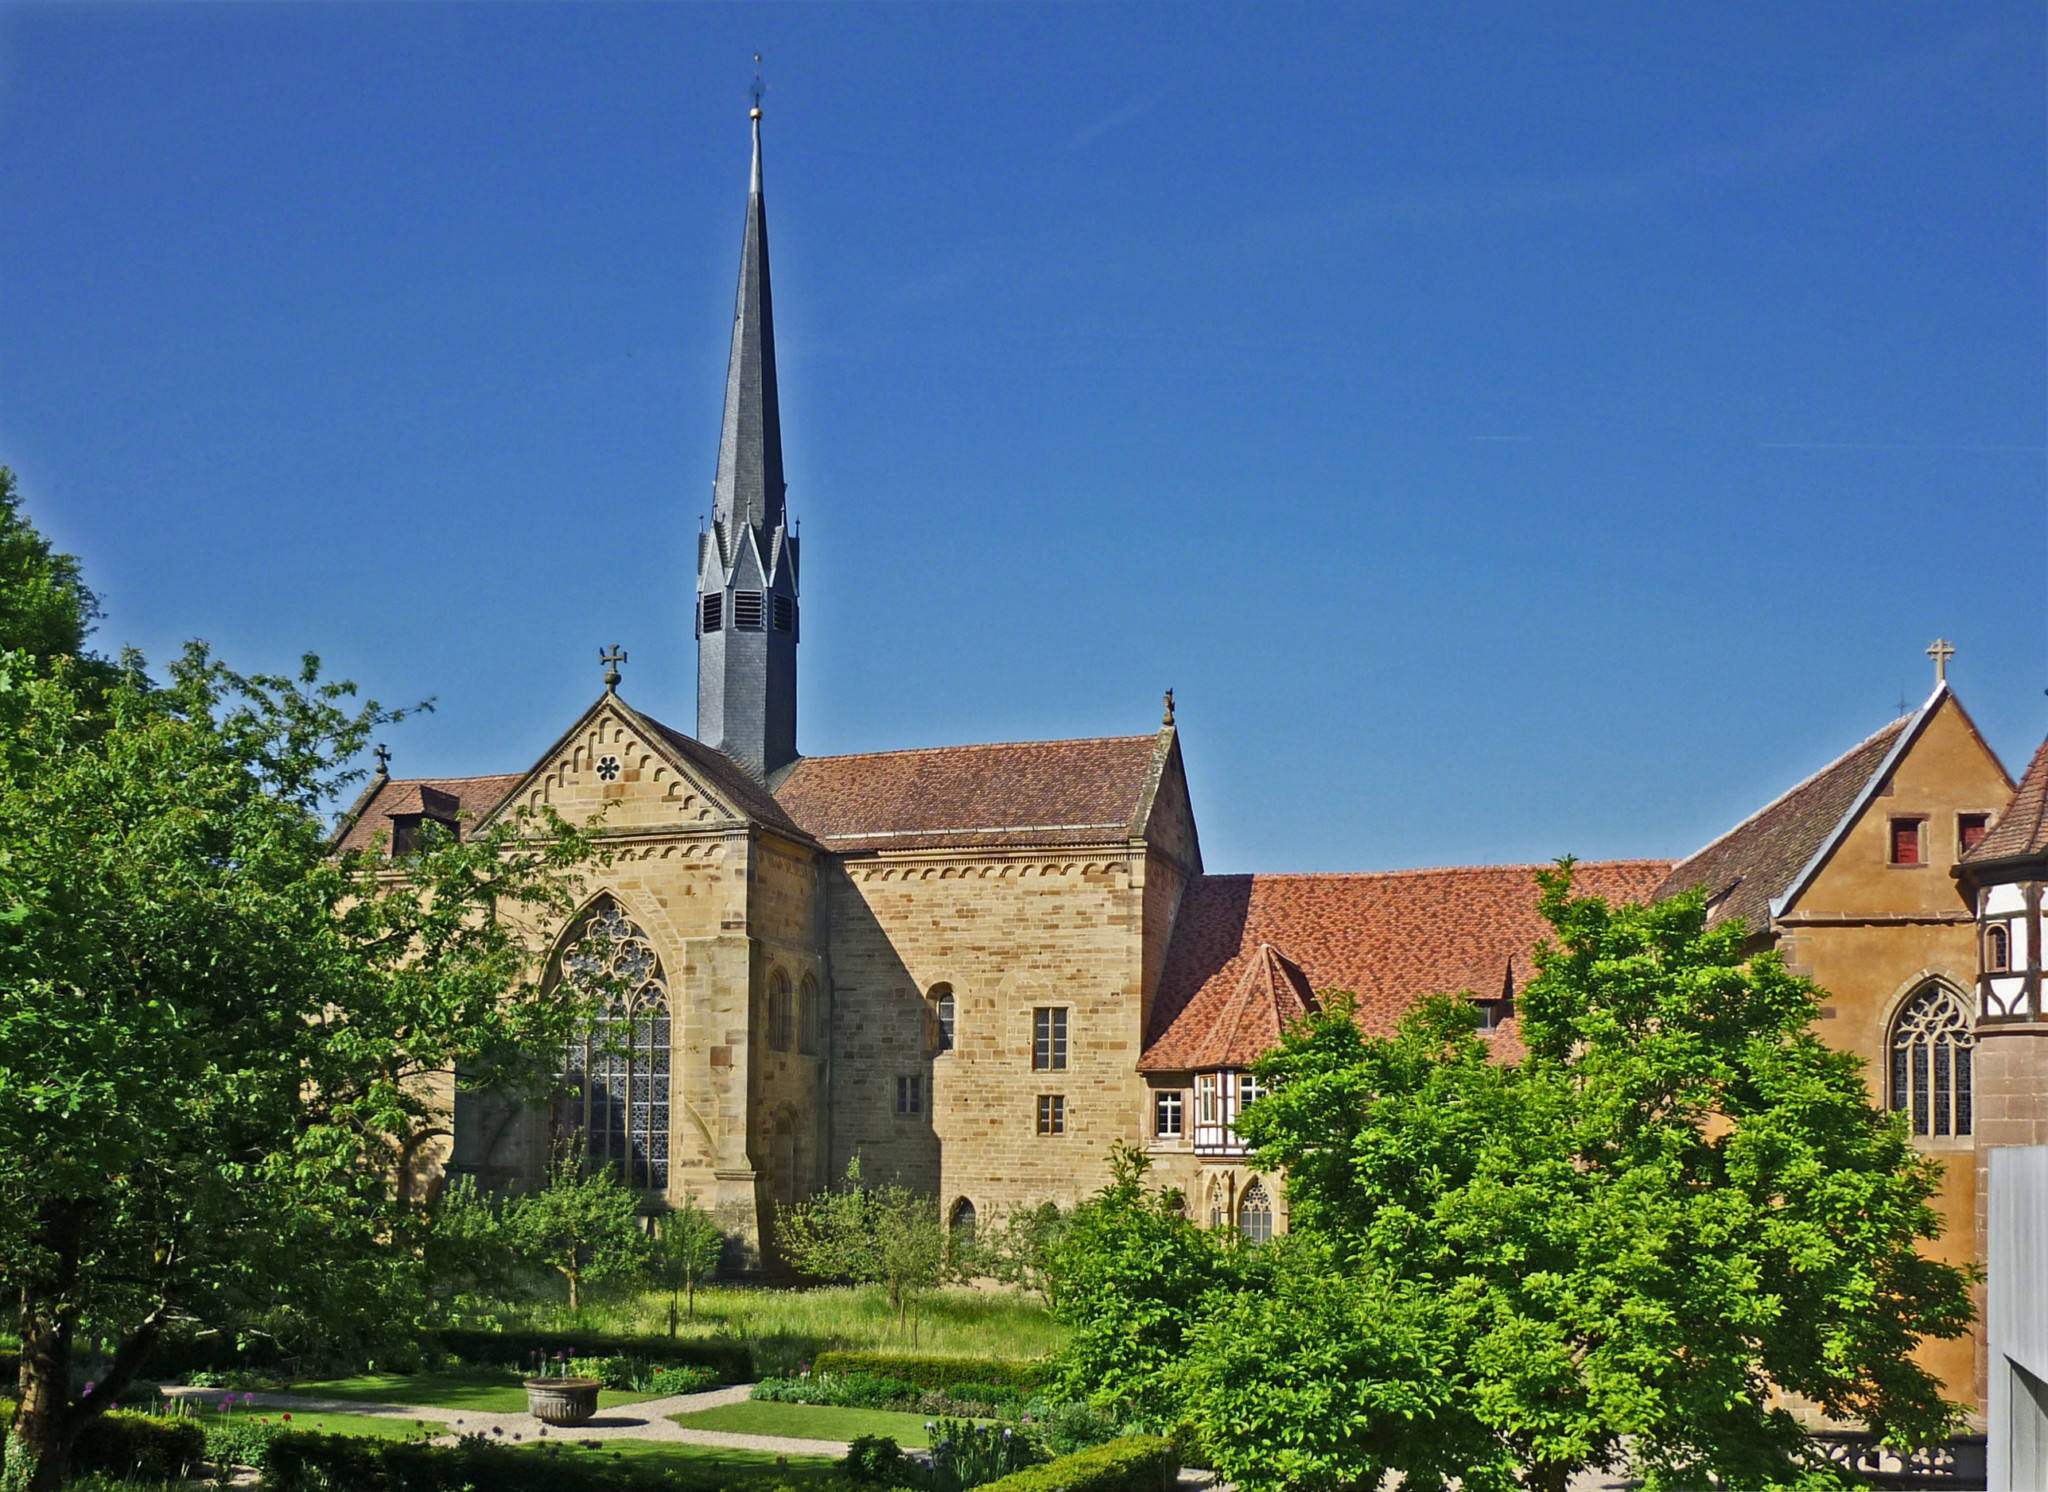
column 1798, row 787
column 1421, row 870
column 854, row 756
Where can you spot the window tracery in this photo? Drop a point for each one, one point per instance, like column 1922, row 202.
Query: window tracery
column 1255, row 1214
column 616, row 1071
column 1930, row 1047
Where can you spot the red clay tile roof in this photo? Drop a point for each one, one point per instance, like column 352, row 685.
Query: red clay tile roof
column 2022, row 830
column 472, row 797
column 1757, row 859
column 1028, row 793
column 725, row 776
column 1389, row 938
column 1272, row 995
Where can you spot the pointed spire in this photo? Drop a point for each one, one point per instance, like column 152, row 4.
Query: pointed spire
column 749, row 488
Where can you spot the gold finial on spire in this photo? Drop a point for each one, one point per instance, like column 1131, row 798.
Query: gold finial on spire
column 1169, row 709
column 611, row 658
column 1941, row 652
column 759, row 88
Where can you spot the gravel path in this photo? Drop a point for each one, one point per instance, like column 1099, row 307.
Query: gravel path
column 646, row 1420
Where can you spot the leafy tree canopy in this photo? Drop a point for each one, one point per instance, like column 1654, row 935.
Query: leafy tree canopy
column 883, row 1235
column 584, row 1225
column 45, row 609
column 688, row 1245
column 1617, row 1247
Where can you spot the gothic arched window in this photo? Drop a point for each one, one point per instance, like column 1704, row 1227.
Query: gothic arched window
column 944, row 1010
column 1931, row 1041
column 1255, row 1214
column 617, row 1070
column 781, row 1019
column 810, row 1020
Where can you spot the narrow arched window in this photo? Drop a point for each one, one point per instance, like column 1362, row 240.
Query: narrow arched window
column 960, row 1226
column 615, row 1074
column 810, row 1019
column 1255, row 1214
column 1997, row 949
column 943, row 1013
column 1931, row 1042
column 781, row 1017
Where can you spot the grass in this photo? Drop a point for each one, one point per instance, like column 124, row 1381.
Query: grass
column 442, row 1391
column 378, row 1426
column 752, row 1467
column 808, row 1422
column 785, row 1327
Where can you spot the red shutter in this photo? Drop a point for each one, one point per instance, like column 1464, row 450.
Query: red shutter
column 1905, row 842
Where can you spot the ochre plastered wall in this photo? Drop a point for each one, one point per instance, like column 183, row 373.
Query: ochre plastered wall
column 1871, row 933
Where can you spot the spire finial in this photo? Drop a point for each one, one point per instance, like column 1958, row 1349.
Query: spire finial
column 611, row 658
column 758, row 89
column 1169, row 709
column 383, row 760
column 1941, row 651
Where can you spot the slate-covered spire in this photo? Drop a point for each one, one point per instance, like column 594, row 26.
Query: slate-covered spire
column 749, row 486
column 747, row 564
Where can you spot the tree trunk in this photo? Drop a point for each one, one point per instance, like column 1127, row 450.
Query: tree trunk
column 671, row 1313
column 40, row 1424
column 693, row 1297
column 575, row 1295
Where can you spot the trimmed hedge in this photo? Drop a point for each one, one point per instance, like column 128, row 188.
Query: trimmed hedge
column 730, row 1360
column 324, row 1463
column 1136, row 1463
column 139, row 1446
column 1021, row 1373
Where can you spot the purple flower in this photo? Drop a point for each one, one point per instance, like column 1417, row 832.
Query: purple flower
column 90, row 1386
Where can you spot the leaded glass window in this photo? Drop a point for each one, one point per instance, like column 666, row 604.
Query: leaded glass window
column 1931, row 1042
column 1255, row 1214
column 616, row 1072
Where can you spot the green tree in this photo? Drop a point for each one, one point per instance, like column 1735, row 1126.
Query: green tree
column 1132, row 1273
column 584, row 1225
column 45, row 609
column 1022, row 1250
column 214, row 1032
column 688, row 1244
column 869, row 1235
column 1619, row 1248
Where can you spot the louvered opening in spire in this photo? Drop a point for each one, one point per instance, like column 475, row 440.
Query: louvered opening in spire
column 749, row 487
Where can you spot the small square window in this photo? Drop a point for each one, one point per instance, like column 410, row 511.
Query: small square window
column 1049, row 1039
column 746, row 610
column 785, row 614
column 714, row 613
column 1248, row 1091
column 1052, row 1113
column 1970, row 831
column 1906, row 842
column 910, row 1095
column 1166, row 1115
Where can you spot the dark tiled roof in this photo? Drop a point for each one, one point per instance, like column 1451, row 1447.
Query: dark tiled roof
column 2022, row 830
column 471, row 797
column 1030, row 793
column 1757, row 859
column 1389, row 938
column 725, row 777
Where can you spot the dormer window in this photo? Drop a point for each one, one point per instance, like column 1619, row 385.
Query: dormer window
column 785, row 614
column 415, row 806
column 714, row 613
column 746, row 610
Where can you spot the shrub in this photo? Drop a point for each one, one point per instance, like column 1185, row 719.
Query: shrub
column 335, row 1463
column 846, row 1390
column 612, row 1372
column 1027, row 1374
column 239, row 1379
column 666, row 1381
column 1071, row 1426
column 980, row 1400
column 239, row 1439
column 729, row 1359
column 123, row 1444
column 877, row 1461
column 1136, row 1463
column 965, row 1454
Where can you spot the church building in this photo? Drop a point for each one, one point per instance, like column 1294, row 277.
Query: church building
column 979, row 967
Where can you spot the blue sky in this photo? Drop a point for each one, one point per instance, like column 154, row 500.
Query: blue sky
column 1512, row 430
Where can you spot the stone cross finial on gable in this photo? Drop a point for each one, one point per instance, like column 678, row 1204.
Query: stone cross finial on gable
column 611, row 658
column 1941, row 652
column 383, row 755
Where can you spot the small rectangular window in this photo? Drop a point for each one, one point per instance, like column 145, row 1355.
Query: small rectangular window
column 1049, row 1039
column 785, row 614
column 1052, row 1113
column 1166, row 1116
column 910, row 1095
column 714, row 613
column 1248, row 1091
column 1205, row 1100
column 1906, row 842
column 746, row 610
column 1970, row 831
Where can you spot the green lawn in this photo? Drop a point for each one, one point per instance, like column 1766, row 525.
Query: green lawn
column 808, row 1422
column 785, row 1326
column 381, row 1426
column 751, row 1465
column 442, row 1390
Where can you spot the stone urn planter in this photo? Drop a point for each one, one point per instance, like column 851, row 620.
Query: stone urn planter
column 562, row 1401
